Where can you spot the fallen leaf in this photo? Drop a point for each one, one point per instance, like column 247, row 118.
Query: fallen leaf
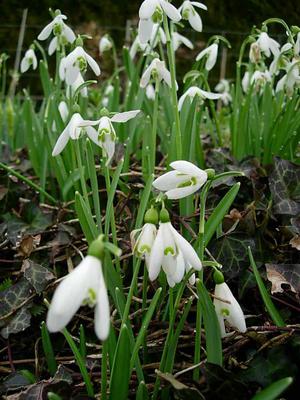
column 182, row 391
column 28, row 244
column 295, row 242
column 284, row 274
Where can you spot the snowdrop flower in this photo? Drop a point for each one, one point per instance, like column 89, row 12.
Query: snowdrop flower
column 186, row 179
column 178, row 39
column 108, row 90
column 246, row 81
column 105, row 44
column 106, row 136
column 188, row 12
column 157, row 69
column 223, row 88
column 290, row 79
column 75, row 63
column 142, row 244
column 150, row 92
column 150, row 12
column 258, row 78
column 73, row 131
column 171, row 252
column 228, row 310
column 60, row 30
column 28, row 60
column 71, row 89
column 212, row 53
column 297, row 45
column 195, row 91
column 85, row 285
column 267, row 45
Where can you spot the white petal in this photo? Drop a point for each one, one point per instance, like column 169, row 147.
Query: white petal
column 169, row 181
column 63, row 110
column 92, row 63
column 180, row 268
column 170, row 10
column 188, row 168
column 188, row 251
column 24, row 64
column 199, row 5
column 147, row 8
column 146, row 76
column 180, row 193
column 156, row 256
column 102, row 311
column 212, row 57
column 69, row 34
column 62, row 69
column 93, row 134
column 52, row 46
column 109, row 148
column 195, row 21
column 210, row 95
column 71, row 292
column 145, row 30
column 46, row 31
column 61, row 142
column 72, row 72
column 187, row 42
column 125, row 116
column 181, row 100
column 165, row 74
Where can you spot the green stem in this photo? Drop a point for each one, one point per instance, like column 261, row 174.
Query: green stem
column 104, row 371
column 154, row 128
column 81, row 171
column 171, row 60
column 136, row 269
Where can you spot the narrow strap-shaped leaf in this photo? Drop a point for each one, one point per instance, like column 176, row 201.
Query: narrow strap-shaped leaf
column 272, row 310
column 144, row 202
column 219, row 212
column 85, row 218
column 145, row 323
column 48, row 349
column 211, row 324
column 274, row 390
column 120, row 374
column 142, row 392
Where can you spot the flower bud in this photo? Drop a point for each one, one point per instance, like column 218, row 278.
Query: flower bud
column 218, row 277
column 151, row 216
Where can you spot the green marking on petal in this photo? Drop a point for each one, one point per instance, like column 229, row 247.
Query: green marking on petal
column 144, row 249
column 157, row 16
column 225, row 312
column 191, row 182
column 169, row 250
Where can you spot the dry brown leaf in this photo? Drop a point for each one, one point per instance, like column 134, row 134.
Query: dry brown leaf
column 284, row 274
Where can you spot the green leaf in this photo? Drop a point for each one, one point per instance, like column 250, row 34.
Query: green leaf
column 274, row 390
column 48, row 349
column 144, row 202
column 120, row 374
column 219, row 212
column 142, row 392
column 272, row 310
column 73, row 177
column 211, row 324
column 85, row 218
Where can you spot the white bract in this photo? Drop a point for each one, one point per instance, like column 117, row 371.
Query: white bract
column 76, row 63
column 185, row 180
column 28, row 60
column 178, row 39
column 151, row 11
column 188, row 12
column 142, row 244
column 195, row 91
column 174, row 254
column 105, row 136
column 267, row 45
column 105, row 44
column 211, row 52
column 85, row 285
column 228, row 310
column 73, row 131
column 156, row 69
column 60, row 30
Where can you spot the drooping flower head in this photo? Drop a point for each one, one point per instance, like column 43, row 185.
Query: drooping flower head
column 29, row 60
column 171, row 252
column 195, row 91
column 189, row 13
column 211, row 52
column 178, row 40
column 62, row 33
column 75, row 64
column 105, row 44
column 156, row 69
column 151, row 11
column 267, row 45
column 85, row 285
column 227, row 308
column 186, row 179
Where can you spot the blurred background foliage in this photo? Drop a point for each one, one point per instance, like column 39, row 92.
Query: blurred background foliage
column 232, row 18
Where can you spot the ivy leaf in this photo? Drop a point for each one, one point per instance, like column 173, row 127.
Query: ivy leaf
column 288, row 274
column 181, row 390
column 284, row 182
column 37, row 275
column 19, row 322
column 13, row 297
column 230, row 251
